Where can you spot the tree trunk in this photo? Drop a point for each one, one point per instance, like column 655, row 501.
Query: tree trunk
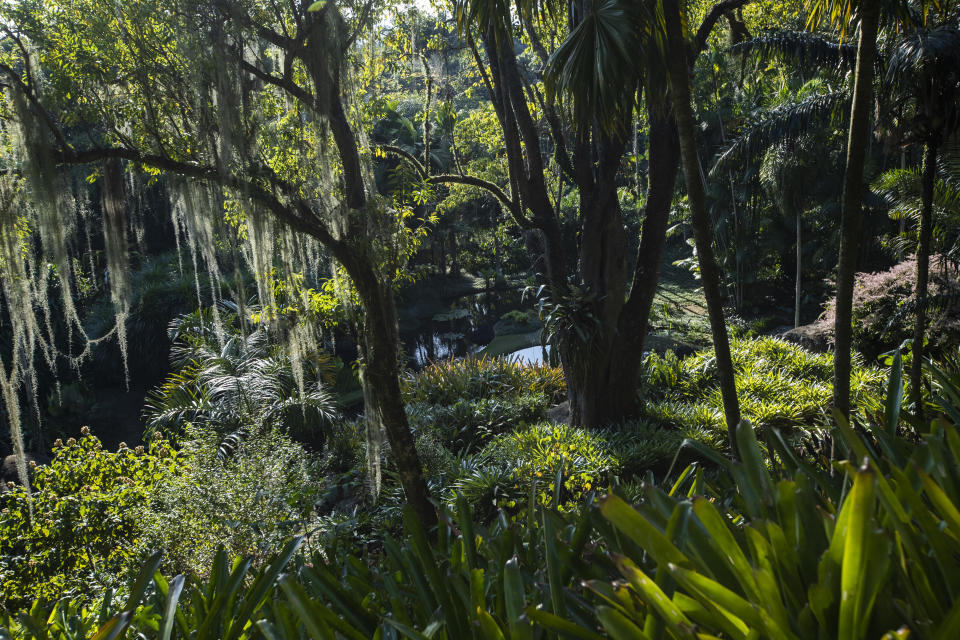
column 850, row 206
column 381, row 377
column 799, row 282
column 923, row 269
column 603, row 380
column 702, row 231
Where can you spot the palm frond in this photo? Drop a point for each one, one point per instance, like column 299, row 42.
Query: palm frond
column 901, row 188
column 595, row 71
column 230, row 443
column 802, row 48
column 785, row 124
column 926, row 54
column 895, row 14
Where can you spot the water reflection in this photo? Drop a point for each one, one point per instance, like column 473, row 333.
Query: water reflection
column 461, row 326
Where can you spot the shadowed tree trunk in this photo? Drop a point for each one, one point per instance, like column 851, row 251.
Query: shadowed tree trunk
column 923, row 274
column 604, row 387
column 602, row 348
column 381, row 378
column 850, row 215
column 702, row 228
column 799, row 282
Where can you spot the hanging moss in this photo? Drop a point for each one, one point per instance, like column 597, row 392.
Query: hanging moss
column 50, row 198
column 118, row 260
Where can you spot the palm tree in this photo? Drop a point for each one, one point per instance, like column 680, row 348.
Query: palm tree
column 610, row 58
column 787, row 171
column 902, row 189
column 240, row 385
column 867, row 15
column 926, row 65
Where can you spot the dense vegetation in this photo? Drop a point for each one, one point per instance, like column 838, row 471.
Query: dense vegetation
column 472, row 319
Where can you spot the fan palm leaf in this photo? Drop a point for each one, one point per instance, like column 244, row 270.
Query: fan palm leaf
column 592, row 70
column 244, row 383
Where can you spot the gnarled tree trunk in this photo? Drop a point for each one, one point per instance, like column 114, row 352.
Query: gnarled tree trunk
column 603, row 382
column 381, row 379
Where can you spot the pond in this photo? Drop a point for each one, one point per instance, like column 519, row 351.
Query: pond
column 530, row 355
column 437, row 327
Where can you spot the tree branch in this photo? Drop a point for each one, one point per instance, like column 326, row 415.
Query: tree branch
column 513, row 207
column 234, row 10
column 409, row 157
column 298, row 215
column 709, row 21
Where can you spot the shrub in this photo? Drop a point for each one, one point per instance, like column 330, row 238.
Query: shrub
column 473, row 378
column 788, row 550
column 346, row 447
column 772, row 546
column 779, row 385
column 884, row 308
column 247, row 502
column 246, row 381
column 639, row 446
column 563, row 462
column 467, row 424
column 84, row 530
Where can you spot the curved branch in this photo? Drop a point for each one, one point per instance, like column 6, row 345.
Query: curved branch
column 512, row 207
column 709, row 21
column 409, row 157
column 451, row 178
column 297, row 215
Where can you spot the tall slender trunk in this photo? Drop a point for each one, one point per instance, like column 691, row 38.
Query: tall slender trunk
column 703, row 235
column 850, row 215
column 923, row 275
column 799, row 283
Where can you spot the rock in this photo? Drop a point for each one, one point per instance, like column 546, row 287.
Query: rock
column 560, row 413
column 815, row 337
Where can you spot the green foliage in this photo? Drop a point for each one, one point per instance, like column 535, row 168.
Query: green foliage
column 473, row 378
column 557, row 464
column 858, row 554
column 82, row 536
column 775, row 545
column 247, row 503
column 245, row 381
column 467, row 424
column 779, row 385
column 640, row 446
column 885, row 306
column 469, row 582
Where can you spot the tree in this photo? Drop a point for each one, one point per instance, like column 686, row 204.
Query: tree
column 578, row 127
column 868, row 15
column 247, row 111
column 926, row 66
column 702, row 227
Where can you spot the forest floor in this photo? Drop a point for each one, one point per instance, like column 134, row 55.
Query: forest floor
column 679, row 309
